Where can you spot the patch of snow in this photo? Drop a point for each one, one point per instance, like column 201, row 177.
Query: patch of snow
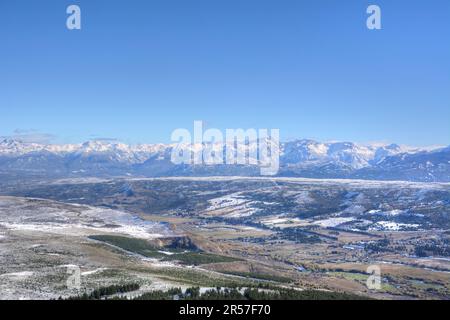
column 393, row 212
column 332, row 222
column 80, row 229
column 232, row 206
column 226, row 201
column 389, row 213
column 281, row 220
column 355, row 209
column 23, row 214
column 17, row 275
column 392, row 226
column 246, row 228
column 167, row 253
column 88, row 273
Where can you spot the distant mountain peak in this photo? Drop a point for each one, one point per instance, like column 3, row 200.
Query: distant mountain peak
column 301, row 157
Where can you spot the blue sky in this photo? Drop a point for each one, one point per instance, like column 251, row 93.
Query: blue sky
column 140, row 69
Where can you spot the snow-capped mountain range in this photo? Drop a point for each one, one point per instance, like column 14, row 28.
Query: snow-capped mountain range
column 121, row 151
column 304, row 158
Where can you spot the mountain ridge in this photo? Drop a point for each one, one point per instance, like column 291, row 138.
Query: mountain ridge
column 299, row 158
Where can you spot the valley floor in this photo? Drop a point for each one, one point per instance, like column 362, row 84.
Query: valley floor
column 229, row 232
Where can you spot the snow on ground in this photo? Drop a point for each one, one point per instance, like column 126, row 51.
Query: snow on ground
column 88, row 180
column 355, row 209
column 247, row 228
column 23, row 214
column 308, row 181
column 277, row 220
column 389, row 213
column 242, row 211
column 332, row 222
column 167, row 253
column 393, row 213
column 392, row 226
column 80, row 229
column 226, row 201
column 17, row 275
column 98, row 270
column 232, row 206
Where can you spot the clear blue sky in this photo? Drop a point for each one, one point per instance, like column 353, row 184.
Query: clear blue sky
column 139, row 69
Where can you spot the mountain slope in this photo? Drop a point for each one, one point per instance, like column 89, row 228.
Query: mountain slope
column 422, row 166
